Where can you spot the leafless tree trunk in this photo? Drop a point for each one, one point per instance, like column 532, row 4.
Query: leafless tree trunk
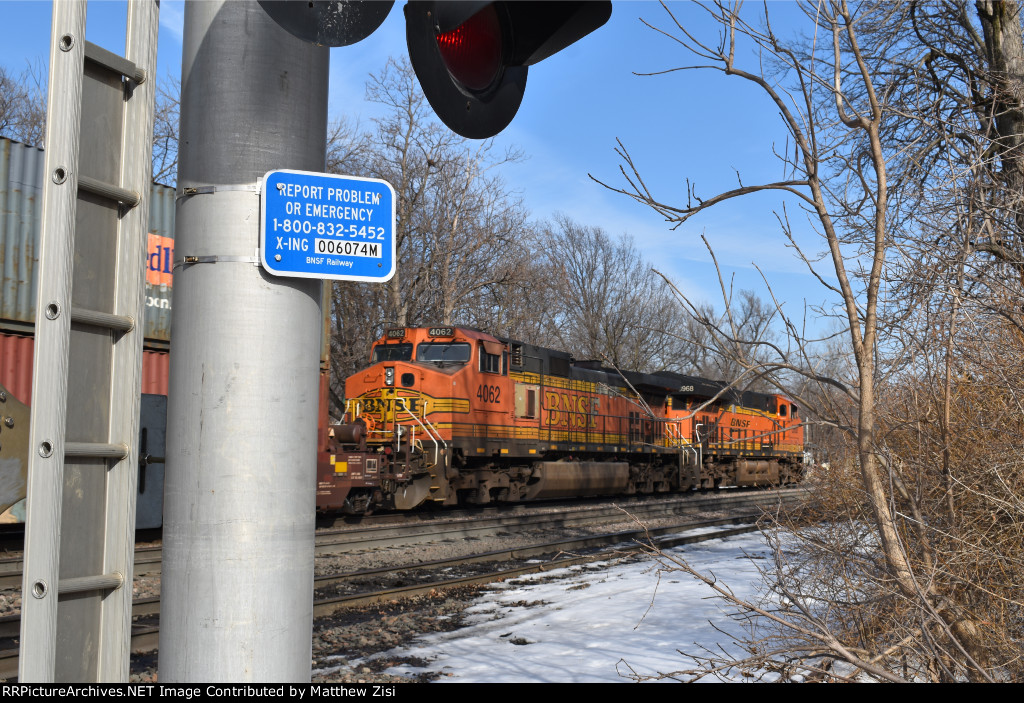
column 857, row 133
column 166, row 117
column 462, row 236
column 479, row 235
column 408, row 147
column 850, row 112
column 608, row 304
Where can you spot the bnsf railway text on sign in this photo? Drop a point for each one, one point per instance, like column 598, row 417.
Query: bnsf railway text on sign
column 317, row 225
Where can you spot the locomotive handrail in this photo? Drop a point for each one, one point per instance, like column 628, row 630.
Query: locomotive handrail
column 682, row 442
column 674, row 439
column 435, row 437
column 355, row 413
column 675, row 433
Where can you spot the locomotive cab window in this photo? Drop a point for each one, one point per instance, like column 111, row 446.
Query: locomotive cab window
column 440, row 352
column 491, row 354
column 782, row 410
column 392, row 352
column 490, row 363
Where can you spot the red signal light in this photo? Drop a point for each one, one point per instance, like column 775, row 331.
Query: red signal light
column 472, row 52
column 471, row 56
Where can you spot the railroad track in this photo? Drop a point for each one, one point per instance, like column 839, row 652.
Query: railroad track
column 621, row 543
column 514, row 562
column 333, row 541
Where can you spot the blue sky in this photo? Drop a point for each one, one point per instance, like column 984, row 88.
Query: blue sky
column 695, row 124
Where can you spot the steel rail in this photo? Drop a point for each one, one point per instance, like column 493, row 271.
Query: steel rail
column 340, row 541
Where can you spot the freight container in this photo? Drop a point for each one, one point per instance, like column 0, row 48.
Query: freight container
column 21, row 199
column 21, row 193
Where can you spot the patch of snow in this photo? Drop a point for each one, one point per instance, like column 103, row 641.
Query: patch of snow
column 595, row 623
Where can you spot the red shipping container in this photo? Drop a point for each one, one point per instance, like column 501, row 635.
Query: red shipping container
column 16, row 368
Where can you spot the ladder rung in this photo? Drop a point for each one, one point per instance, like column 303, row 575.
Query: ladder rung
column 108, row 190
column 95, row 450
column 112, row 62
column 123, row 323
column 106, row 582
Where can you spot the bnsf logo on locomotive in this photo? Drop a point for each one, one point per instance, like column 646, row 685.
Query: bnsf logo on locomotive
column 573, row 411
column 740, row 423
column 375, row 405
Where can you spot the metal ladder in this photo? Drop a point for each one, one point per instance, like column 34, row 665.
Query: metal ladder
column 83, row 442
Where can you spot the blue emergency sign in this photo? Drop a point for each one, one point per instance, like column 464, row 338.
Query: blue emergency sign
column 318, row 225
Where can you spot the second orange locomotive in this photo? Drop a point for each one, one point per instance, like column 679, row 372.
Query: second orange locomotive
column 449, row 414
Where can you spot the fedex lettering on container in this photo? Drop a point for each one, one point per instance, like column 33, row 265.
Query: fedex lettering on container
column 159, row 272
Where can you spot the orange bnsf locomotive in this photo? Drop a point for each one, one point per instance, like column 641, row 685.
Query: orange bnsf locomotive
column 449, row 415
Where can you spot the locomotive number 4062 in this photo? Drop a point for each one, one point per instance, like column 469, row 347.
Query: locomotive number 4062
column 488, row 394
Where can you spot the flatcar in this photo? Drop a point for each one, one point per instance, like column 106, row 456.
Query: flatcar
column 450, row 415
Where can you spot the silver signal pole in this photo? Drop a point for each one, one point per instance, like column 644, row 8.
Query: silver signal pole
column 237, row 600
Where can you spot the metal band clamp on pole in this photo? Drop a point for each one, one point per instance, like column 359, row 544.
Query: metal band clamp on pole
column 188, row 192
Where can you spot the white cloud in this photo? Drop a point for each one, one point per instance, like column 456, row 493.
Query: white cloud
column 172, row 18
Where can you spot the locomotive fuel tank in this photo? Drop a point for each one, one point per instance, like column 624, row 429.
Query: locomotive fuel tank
column 757, row 473
column 567, row 479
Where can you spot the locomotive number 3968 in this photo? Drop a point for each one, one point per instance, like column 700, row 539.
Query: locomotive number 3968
column 488, row 394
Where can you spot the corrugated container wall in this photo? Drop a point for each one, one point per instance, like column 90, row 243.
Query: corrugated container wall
column 21, row 195
column 16, row 367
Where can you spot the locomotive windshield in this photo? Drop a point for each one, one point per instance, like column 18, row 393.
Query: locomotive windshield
column 392, row 352
column 437, row 351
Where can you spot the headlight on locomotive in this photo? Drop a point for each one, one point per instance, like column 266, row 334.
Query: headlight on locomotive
column 389, row 376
